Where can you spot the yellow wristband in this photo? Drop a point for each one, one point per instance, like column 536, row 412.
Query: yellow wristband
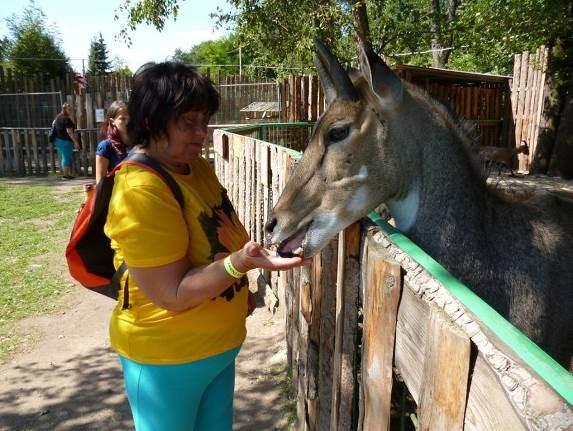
column 230, row 268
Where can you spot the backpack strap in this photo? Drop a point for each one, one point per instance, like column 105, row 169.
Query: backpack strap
column 146, row 162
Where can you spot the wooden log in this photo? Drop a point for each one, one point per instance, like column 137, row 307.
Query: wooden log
column 541, row 88
column 445, row 382
column 344, row 386
column 521, row 97
column 37, row 169
column 3, row 150
column 380, row 309
column 18, row 162
column 241, row 180
column 323, row 328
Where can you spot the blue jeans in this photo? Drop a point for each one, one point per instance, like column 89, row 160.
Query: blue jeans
column 195, row 396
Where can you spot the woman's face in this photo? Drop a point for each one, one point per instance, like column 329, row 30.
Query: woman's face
column 120, row 123
column 186, row 135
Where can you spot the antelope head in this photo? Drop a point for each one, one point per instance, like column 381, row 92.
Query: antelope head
column 350, row 165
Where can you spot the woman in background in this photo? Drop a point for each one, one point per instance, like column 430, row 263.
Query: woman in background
column 65, row 139
column 113, row 148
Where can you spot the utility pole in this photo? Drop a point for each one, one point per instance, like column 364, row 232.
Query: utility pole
column 240, row 62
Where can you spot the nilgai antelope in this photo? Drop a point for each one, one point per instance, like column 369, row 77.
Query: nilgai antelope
column 382, row 140
column 502, row 157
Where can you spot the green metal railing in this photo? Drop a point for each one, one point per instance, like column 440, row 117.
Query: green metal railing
column 289, row 135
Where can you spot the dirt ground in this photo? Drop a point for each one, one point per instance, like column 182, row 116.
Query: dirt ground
column 69, row 379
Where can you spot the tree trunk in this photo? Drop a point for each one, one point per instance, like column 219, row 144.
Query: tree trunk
column 442, row 35
column 562, row 159
column 360, row 18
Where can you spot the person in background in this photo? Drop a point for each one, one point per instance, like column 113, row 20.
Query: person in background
column 113, row 148
column 65, row 140
column 180, row 320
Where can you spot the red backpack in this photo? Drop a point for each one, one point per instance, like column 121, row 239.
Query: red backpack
column 89, row 253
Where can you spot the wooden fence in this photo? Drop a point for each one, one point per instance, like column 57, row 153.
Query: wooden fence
column 99, row 91
column 464, row 369
column 481, row 99
column 27, row 151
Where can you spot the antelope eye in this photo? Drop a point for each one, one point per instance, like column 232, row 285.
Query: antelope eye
column 337, row 134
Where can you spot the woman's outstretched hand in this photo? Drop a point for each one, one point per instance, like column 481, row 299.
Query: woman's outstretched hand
column 254, row 255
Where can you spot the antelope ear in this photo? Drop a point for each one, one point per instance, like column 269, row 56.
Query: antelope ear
column 334, row 80
column 383, row 82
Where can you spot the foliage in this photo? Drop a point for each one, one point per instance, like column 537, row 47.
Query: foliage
column 215, row 56
column 491, row 31
column 282, row 33
column 484, row 34
column 4, row 48
column 34, row 224
column 34, row 46
column 98, row 61
column 152, row 12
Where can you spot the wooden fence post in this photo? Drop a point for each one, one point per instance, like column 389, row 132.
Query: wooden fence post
column 344, row 386
column 445, row 378
column 383, row 289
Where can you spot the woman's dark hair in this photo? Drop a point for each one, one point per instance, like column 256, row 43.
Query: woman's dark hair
column 162, row 92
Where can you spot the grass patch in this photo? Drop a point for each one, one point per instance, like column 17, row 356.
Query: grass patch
column 34, row 224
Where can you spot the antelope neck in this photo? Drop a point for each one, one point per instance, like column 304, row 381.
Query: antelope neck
column 405, row 210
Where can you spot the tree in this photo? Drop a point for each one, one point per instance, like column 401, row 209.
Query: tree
column 34, row 47
column 4, row 48
column 218, row 56
column 98, row 61
column 119, row 67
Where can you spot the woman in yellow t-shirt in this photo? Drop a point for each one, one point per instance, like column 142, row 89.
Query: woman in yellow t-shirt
column 180, row 326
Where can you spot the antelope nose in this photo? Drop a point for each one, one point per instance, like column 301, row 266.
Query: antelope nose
column 270, row 226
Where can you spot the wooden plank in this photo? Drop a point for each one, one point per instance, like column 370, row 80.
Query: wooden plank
column 521, row 97
column 383, row 289
column 344, row 387
column 540, row 100
column 322, row 331
column 27, row 156
column 446, row 368
column 3, row 150
column 241, row 179
column 18, row 162
column 37, row 169
column 306, row 419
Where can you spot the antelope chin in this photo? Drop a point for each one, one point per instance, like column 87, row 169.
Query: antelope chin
column 294, row 245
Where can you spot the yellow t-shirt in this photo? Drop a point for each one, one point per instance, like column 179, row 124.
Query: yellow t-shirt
column 147, row 228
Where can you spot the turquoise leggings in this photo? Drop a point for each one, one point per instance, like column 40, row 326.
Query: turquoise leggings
column 66, row 149
column 196, row 396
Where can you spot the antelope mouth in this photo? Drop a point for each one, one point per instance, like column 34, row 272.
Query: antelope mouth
column 294, row 245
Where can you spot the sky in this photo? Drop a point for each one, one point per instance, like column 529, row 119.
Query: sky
column 78, row 22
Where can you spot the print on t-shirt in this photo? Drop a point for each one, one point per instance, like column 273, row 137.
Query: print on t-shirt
column 225, row 233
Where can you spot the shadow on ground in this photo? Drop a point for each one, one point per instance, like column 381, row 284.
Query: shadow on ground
column 89, row 395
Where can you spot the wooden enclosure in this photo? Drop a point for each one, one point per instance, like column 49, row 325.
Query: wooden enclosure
column 372, row 301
